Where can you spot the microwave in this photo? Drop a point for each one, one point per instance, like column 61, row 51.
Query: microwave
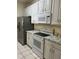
column 44, row 18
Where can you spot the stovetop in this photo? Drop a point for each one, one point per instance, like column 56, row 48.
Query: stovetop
column 42, row 34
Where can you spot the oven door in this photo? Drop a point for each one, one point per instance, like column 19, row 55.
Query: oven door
column 38, row 43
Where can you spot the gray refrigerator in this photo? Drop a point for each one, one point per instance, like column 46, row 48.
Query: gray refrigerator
column 23, row 25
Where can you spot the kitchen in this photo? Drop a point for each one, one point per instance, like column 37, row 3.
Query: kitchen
column 42, row 36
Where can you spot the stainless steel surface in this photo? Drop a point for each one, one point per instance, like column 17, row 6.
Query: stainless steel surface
column 23, row 24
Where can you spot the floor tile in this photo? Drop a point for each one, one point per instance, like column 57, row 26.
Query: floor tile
column 20, row 56
column 29, row 57
column 24, row 52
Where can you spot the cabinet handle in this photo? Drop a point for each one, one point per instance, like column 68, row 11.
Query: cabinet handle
column 45, row 9
column 48, row 16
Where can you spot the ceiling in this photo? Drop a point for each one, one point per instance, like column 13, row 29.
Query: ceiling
column 24, row 1
column 27, row 2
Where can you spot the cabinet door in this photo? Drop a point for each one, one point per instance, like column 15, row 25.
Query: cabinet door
column 41, row 6
column 57, row 54
column 59, row 12
column 48, row 50
column 47, row 6
column 51, row 50
column 29, row 39
column 55, row 11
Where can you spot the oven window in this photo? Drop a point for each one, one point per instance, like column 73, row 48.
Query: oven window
column 37, row 43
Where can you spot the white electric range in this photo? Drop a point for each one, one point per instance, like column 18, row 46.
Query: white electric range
column 38, row 43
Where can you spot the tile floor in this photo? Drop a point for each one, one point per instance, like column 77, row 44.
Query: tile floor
column 24, row 52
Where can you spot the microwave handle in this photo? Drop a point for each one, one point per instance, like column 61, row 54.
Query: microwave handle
column 48, row 16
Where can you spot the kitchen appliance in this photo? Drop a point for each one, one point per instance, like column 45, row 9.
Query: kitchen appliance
column 44, row 18
column 23, row 25
column 38, row 43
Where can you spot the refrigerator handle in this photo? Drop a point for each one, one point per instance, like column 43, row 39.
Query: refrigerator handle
column 18, row 26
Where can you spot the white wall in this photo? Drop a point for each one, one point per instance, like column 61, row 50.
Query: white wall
column 24, row 11
column 29, row 9
column 20, row 9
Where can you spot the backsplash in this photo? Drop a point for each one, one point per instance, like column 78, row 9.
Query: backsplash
column 49, row 28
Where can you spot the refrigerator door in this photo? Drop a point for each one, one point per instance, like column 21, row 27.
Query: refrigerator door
column 27, row 26
column 23, row 24
column 20, row 30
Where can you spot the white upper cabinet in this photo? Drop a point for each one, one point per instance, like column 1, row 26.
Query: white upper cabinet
column 44, row 6
column 49, row 11
column 41, row 6
column 39, row 12
column 45, row 12
column 59, row 13
column 56, row 12
column 47, row 6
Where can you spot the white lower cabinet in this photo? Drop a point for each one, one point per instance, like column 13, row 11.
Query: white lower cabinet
column 29, row 39
column 57, row 54
column 47, row 51
column 51, row 51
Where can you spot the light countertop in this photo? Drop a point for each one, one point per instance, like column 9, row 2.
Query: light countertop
column 32, row 31
column 53, row 39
